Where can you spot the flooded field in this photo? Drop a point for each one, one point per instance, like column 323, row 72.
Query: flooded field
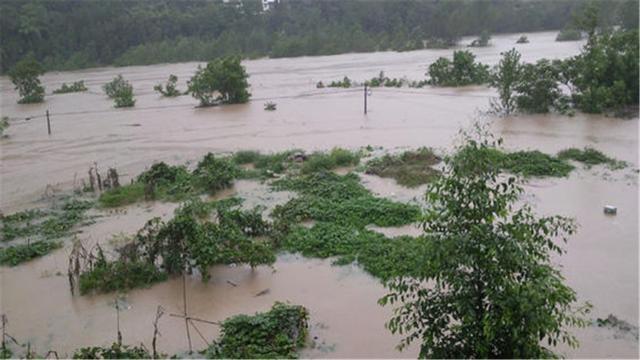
column 601, row 263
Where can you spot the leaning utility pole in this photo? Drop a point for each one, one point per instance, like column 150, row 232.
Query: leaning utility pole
column 365, row 99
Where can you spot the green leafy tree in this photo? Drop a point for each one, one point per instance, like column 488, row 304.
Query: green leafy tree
column 538, row 88
column 224, row 77
column 121, row 91
column 488, row 288
column 482, row 41
column 505, row 77
column 169, row 89
column 24, row 75
column 463, row 70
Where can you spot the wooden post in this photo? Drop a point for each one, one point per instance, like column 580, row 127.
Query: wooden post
column 48, row 123
column 186, row 316
column 365, row 99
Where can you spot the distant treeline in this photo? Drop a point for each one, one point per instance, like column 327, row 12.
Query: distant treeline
column 72, row 34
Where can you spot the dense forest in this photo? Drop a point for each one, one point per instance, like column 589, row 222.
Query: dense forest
column 80, row 33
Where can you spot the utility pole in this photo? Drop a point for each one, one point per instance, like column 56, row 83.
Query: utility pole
column 49, row 122
column 365, row 99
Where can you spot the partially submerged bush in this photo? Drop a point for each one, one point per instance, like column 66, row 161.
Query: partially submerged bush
column 169, row 89
column 17, row 254
column 523, row 39
column 411, row 168
column 590, row 156
column 115, row 351
column 214, row 174
column 569, row 34
column 337, row 157
column 24, row 75
column 278, row 333
column 525, row 163
column 463, row 70
column 482, row 40
column 120, row 91
column 77, row 86
column 345, row 83
column 4, row 124
column 270, row 106
column 45, row 224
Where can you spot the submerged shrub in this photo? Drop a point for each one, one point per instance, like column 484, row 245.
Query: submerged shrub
column 121, row 91
column 115, row 351
column 277, row 333
column 569, row 34
column 337, row 157
column 77, row 86
column 463, row 70
column 17, row 254
column 214, row 174
column 411, row 168
column 169, row 89
column 590, row 156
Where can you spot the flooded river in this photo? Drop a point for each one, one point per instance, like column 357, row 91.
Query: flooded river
column 601, row 263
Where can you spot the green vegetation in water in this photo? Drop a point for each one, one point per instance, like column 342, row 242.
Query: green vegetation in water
column 328, row 197
column 174, row 183
column 169, row 88
column 470, row 297
column 105, row 276
column 482, row 40
column 115, row 351
column 221, row 81
column 526, row 163
column 270, row 106
column 523, row 39
column 344, row 83
column 411, row 168
column 4, row 125
column 16, row 254
column 191, row 240
column 590, row 156
column 335, row 158
column 76, row 86
column 383, row 81
column 276, row 334
column 24, row 76
column 462, row 71
column 46, row 224
column 569, row 34
column 121, row 91
column 380, row 256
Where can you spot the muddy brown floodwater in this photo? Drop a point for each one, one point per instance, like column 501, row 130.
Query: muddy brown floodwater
column 601, row 263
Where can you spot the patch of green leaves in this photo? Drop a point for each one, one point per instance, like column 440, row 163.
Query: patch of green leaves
column 115, row 351
column 17, row 254
column 77, row 86
column 590, row 156
column 335, row 158
column 411, row 168
column 275, row 334
column 49, row 224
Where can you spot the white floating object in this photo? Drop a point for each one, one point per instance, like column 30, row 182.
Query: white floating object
column 610, row 210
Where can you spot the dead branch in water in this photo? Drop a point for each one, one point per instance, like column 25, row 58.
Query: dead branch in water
column 156, row 332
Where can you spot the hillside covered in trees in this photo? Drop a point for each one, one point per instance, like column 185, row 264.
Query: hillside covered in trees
column 78, row 34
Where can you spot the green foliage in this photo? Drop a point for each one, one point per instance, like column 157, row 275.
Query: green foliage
column 538, row 89
column 4, row 125
column 169, row 89
column 605, row 75
column 525, row 163
column 463, row 70
column 411, row 168
column 214, row 174
column 344, row 83
column 115, row 351
column 174, row 183
column 487, row 286
column 224, row 76
column 105, row 276
column 76, row 86
column 17, row 254
column 569, row 34
column 328, row 197
column 24, row 75
column 45, row 224
column 123, row 195
column 380, row 256
column 482, row 41
column 523, row 39
column 505, row 78
column 275, row 334
column 590, row 157
column 337, row 157
column 120, row 91
column 188, row 241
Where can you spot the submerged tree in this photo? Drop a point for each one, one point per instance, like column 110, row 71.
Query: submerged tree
column 24, row 75
column 121, row 91
column 169, row 89
column 504, row 79
column 225, row 77
column 463, row 70
column 487, row 287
